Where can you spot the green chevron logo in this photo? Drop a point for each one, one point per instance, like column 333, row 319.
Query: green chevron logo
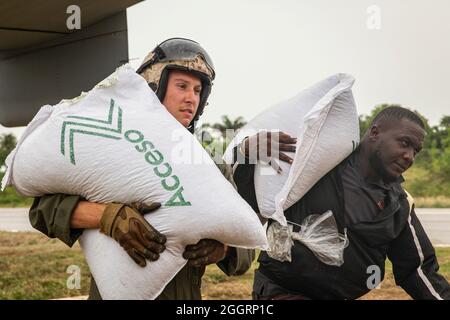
column 111, row 128
column 91, row 126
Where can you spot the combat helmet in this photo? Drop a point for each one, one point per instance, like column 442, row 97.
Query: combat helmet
column 178, row 54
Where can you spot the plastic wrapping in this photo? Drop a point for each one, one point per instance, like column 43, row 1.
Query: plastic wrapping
column 280, row 241
column 318, row 232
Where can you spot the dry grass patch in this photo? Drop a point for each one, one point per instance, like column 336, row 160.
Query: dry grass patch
column 34, row 267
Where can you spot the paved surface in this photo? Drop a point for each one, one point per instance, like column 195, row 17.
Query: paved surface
column 15, row 219
column 435, row 221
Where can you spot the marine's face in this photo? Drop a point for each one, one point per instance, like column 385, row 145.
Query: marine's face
column 395, row 148
column 182, row 96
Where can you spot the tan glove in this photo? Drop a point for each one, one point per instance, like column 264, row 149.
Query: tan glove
column 125, row 224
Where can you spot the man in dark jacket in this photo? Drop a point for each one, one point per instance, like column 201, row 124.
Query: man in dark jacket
column 364, row 193
column 180, row 72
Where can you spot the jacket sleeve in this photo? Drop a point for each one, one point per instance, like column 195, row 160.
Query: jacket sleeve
column 415, row 265
column 244, row 179
column 237, row 262
column 226, row 171
column 51, row 215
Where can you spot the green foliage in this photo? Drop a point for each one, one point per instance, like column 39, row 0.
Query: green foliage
column 228, row 124
column 216, row 137
column 432, row 202
column 440, row 149
column 10, row 198
column 420, row 182
column 7, row 144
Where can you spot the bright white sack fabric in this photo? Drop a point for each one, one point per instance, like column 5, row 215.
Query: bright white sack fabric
column 324, row 120
column 118, row 143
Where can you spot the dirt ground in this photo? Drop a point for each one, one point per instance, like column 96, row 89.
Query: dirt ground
column 35, row 267
column 216, row 287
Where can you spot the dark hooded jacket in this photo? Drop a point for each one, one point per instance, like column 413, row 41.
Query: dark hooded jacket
column 394, row 232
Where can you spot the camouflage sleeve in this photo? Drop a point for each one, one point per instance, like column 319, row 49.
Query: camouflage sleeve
column 51, row 215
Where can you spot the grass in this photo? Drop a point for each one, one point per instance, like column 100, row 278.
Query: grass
column 389, row 291
column 35, row 267
column 432, row 202
column 11, row 199
column 420, row 182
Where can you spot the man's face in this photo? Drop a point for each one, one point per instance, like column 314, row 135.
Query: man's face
column 182, row 96
column 395, row 148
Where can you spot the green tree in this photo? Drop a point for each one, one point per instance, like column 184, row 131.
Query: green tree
column 9, row 197
column 214, row 136
column 440, row 152
column 8, row 142
column 228, row 124
column 445, row 122
column 439, row 133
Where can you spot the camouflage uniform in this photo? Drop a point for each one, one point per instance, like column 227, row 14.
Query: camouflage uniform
column 51, row 214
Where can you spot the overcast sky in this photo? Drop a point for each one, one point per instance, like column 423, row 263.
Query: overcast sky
column 266, row 51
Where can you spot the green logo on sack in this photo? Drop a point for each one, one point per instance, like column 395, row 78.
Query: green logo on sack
column 91, row 126
column 110, row 130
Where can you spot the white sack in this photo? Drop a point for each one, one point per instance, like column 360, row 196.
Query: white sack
column 324, row 120
column 83, row 147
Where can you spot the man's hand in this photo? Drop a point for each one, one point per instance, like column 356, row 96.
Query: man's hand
column 264, row 145
column 127, row 226
column 205, row 252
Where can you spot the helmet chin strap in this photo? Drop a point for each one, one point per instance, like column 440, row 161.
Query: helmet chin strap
column 191, row 126
column 162, row 86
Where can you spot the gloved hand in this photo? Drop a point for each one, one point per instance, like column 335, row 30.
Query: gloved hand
column 205, row 252
column 126, row 225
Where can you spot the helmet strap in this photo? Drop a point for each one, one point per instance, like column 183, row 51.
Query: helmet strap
column 162, row 86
